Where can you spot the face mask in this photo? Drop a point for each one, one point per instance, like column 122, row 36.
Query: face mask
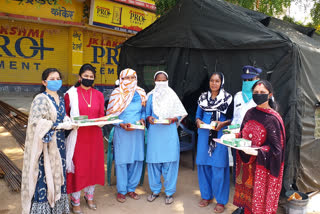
column 54, row 85
column 129, row 84
column 87, row 82
column 161, row 84
column 260, row 98
column 247, row 90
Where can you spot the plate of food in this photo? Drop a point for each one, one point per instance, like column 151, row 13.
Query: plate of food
column 236, row 143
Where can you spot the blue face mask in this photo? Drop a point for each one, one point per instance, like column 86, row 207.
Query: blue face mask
column 247, row 90
column 54, row 85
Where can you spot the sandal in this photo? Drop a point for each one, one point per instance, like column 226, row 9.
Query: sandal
column 76, row 211
column 204, row 203
column 133, row 195
column 169, row 199
column 121, row 198
column 219, row 208
column 152, row 197
column 90, row 203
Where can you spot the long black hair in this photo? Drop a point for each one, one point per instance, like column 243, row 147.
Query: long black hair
column 272, row 102
column 44, row 77
column 84, row 68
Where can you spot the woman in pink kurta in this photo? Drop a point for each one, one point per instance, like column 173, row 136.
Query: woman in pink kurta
column 88, row 156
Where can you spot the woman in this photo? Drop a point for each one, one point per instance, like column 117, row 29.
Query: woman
column 43, row 188
column 85, row 151
column 163, row 150
column 212, row 158
column 259, row 171
column 128, row 102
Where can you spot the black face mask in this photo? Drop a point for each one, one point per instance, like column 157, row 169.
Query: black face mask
column 260, row 98
column 87, row 82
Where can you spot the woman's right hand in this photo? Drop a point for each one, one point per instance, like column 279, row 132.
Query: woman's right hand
column 126, row 126
column 199, row 122
column 151, row 119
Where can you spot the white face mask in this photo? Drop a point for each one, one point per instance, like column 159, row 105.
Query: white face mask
column 162, row 84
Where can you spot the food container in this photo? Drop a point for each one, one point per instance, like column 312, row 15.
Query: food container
column 79, row 118
column 161, row 121
column 212, row 125
column 135, row 126
column 241, row 142
column 235, row 126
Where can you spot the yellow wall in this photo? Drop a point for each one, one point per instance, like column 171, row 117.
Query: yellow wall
column 26, row 49
column 99, row 50
column 63, row 11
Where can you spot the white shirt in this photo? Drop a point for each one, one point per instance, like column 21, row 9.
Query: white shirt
column 241, row 108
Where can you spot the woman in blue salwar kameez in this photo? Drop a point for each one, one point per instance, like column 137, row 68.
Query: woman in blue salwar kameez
column 128, row 103
column 212, row 158
column 163, row 148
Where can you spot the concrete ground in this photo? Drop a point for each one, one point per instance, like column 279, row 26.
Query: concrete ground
column 186, row 197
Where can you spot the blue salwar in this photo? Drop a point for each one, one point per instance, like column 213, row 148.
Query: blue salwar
column 40, row 204
column 213, row 171
column 163, row 153
column 129, row 148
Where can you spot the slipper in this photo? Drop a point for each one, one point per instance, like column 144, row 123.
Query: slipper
column 169, row 199
column 204, row 203
column 90, row 203
column 219, row 208
column 133, row 195
column 152, row 197
column 76, row 211
column 121, row 198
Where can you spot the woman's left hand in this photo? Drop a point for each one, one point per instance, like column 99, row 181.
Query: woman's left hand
column 219, row 126
column 142, row 122
column 172, row 120
column 250, row 151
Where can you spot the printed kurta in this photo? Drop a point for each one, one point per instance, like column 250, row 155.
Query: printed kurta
column 52, row 141
column 259, row 178
column 88, row 155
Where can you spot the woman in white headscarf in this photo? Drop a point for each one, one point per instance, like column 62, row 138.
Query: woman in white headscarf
column 163, row 141
column 128, row 102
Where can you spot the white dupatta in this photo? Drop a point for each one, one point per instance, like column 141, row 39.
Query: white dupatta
column 72, row 138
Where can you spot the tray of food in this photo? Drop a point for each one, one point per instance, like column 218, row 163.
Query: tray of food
column 236, row 143
column 84, row 121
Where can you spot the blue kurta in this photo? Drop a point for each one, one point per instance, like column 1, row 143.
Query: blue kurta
column 129, row 148
column 40, row 202
column 219, row 157
column 163, row 153
column 129, row 145
column 163, row 140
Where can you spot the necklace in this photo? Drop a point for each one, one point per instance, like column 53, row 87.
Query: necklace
column 89, row 104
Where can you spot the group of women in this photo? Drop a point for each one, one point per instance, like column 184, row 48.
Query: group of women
column 55, row 165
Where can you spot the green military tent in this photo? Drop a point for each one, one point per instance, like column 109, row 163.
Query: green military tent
column 198, row 37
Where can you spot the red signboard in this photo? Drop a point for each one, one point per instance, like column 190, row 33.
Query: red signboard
column 148, row 4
